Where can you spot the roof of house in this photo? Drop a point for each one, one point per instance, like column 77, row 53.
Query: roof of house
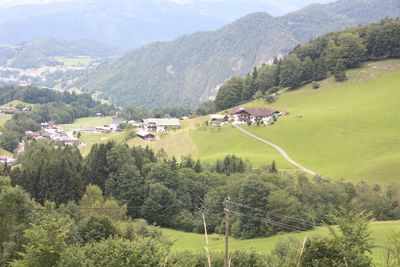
column 88, row 129
column 218, row 116
column 256, row 112
column 163, row 122
column 31, row 133
column 143, row 133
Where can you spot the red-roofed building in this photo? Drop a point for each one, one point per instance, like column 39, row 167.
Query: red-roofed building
column 31, row 134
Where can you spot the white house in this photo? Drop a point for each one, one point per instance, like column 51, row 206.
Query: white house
column 161, row 125
column 254, row 115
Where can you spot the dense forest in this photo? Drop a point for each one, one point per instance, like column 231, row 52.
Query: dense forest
column 87, row 210
column 49, row 105
column 330, row 54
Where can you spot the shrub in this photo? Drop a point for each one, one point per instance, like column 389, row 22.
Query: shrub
column 315, row 85
column 340, row 76
column 96, row 229
column 270, row 99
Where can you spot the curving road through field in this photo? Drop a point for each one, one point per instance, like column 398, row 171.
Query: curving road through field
column 278, row 148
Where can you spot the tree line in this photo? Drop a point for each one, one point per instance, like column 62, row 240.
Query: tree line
column 173, row 194
column 96, row 231
column 58, row 209
column 331, row 54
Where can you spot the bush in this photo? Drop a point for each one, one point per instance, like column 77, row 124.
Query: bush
column 238, row 258
column 270, row 99
column 96, row 229
column 315, row 85
column 340, row 76
column 258, row 95
column 117, row 253
column 9, row 140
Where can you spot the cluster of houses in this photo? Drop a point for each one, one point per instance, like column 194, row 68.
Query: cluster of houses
column 50, row 130
column 12, row 110
column 250, row 116
column 157, row 125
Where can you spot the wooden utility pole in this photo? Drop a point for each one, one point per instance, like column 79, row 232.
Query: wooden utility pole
column 226, row 210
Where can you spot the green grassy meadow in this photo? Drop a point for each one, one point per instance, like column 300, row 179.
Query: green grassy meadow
column 75, row 61
column 348, row 130
column 215, row 143
column 14, row 103
column 195, row 242
column 87, row 122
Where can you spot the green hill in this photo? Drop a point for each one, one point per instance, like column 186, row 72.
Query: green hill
column 348, row 130
column 187, row 71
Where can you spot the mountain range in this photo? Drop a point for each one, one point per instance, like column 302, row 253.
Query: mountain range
column 128, row 23
column 189, row 70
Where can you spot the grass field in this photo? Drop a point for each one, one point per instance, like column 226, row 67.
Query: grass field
column 87, row 122
column 14, row 103
column 195, row 242
column 75, row 61
column 348, row 130
column 214, row 143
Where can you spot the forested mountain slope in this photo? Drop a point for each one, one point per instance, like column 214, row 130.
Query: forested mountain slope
column 188, row 70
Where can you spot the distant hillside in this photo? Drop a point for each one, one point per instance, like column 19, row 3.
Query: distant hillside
column 41, row 52
column 188, row 70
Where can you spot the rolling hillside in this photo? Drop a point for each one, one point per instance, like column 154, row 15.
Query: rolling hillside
column 187, row 71
column 348, row 130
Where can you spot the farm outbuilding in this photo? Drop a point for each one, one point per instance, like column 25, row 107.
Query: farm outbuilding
column 145, row 135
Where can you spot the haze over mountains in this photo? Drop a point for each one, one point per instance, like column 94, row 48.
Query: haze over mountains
column 187, row 71
column 127, row 23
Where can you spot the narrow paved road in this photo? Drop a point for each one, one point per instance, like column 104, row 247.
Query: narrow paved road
column 280, row 150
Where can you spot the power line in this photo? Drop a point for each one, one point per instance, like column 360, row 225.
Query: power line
column 293, row 219
column 270, row 221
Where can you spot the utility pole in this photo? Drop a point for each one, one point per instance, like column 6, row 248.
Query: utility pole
column 226, row 210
